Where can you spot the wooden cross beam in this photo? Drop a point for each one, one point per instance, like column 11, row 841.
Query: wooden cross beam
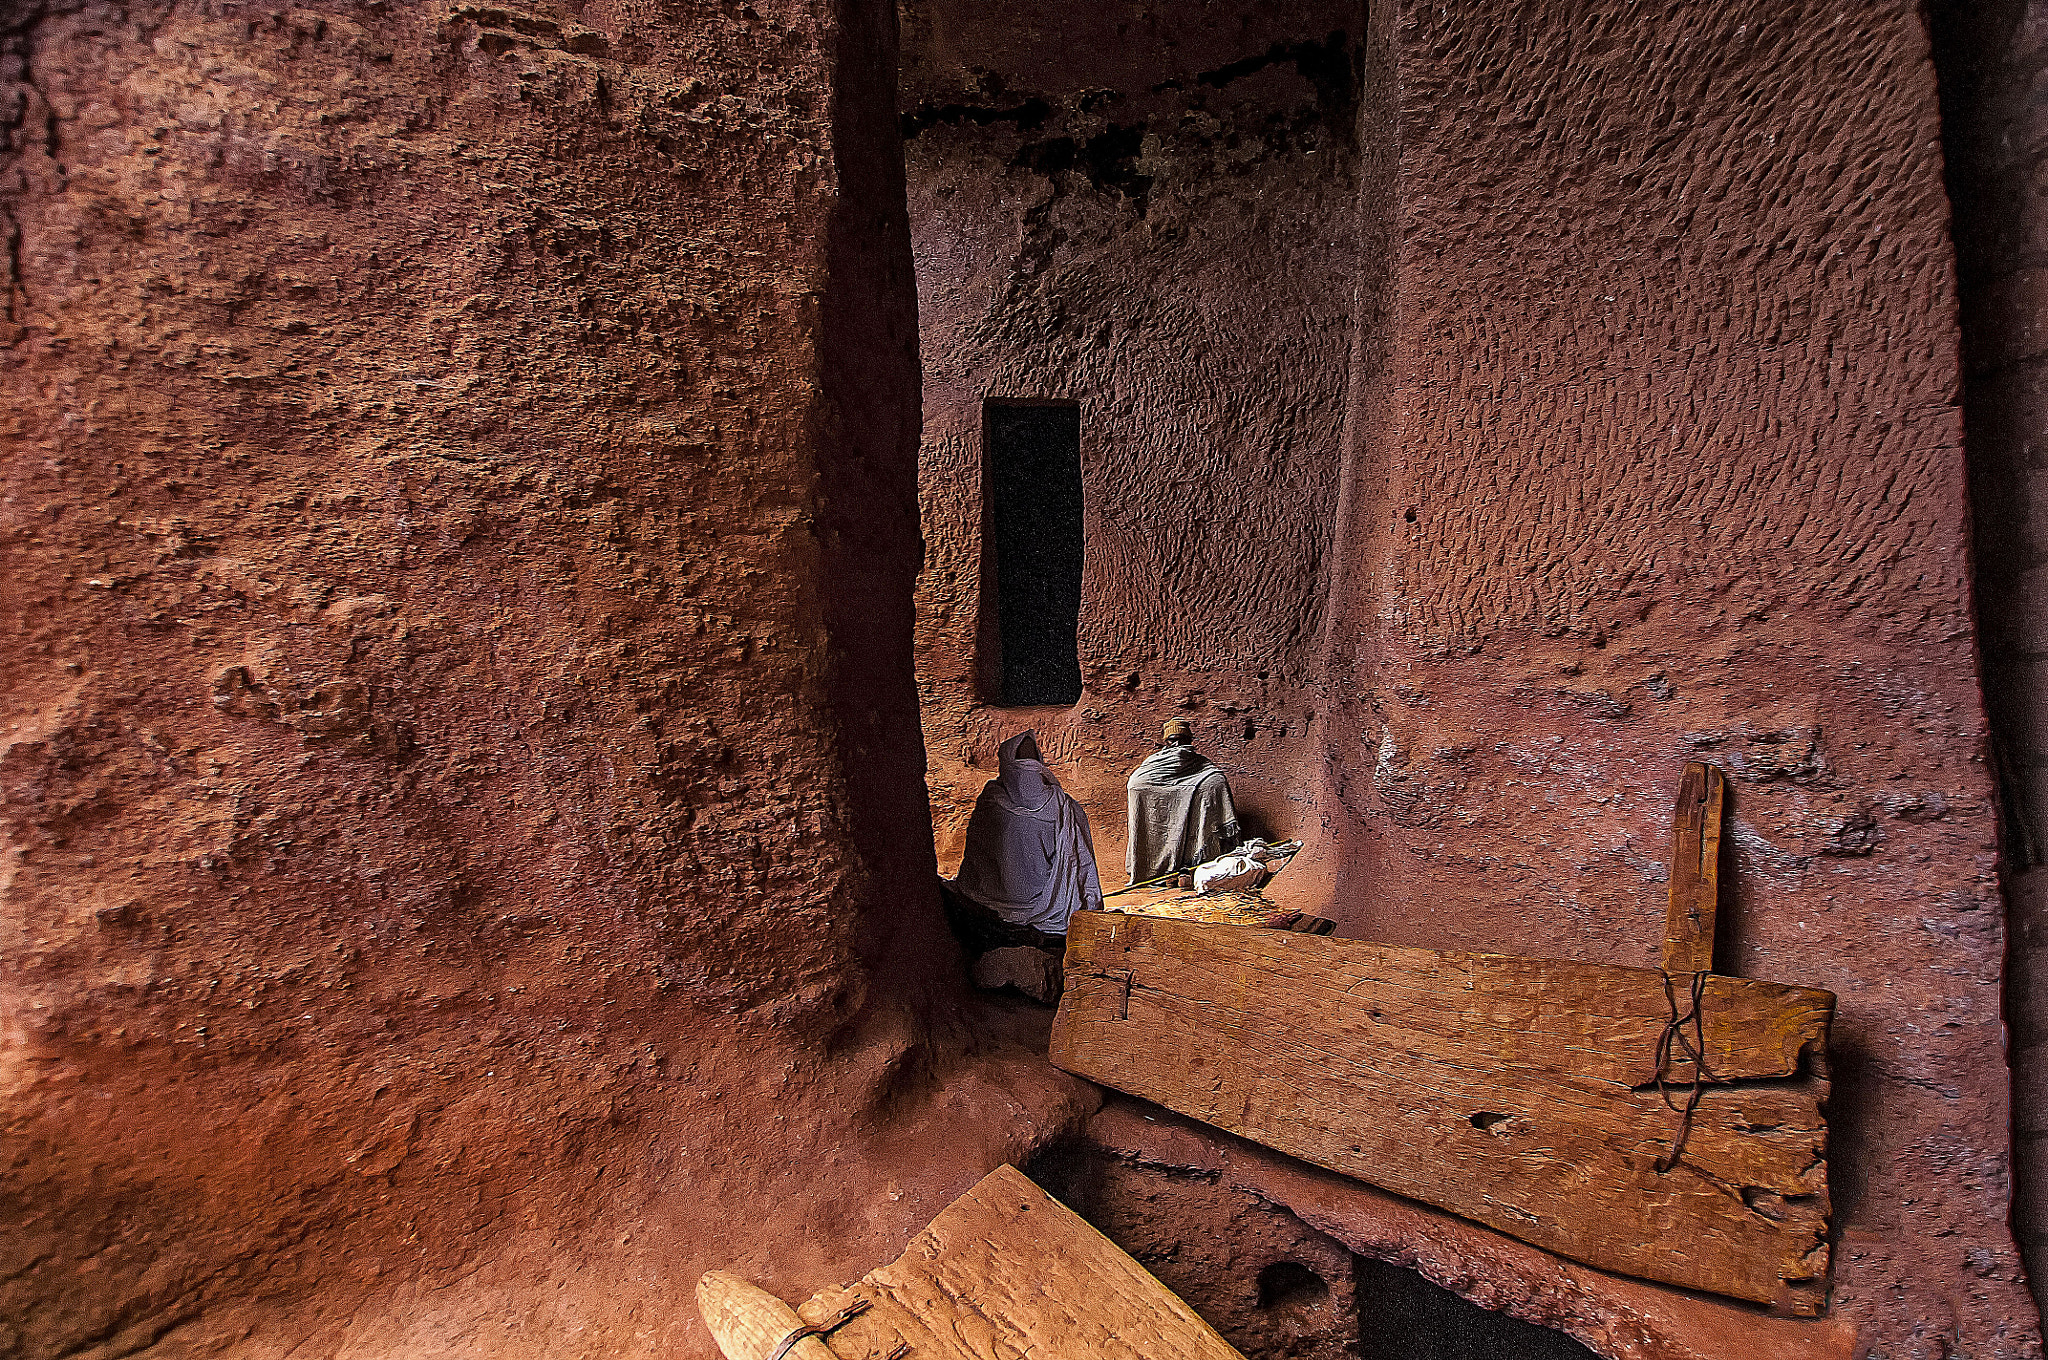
column 1549, row 1099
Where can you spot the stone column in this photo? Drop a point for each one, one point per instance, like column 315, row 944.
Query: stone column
column 460, row 753
column 1992, row 131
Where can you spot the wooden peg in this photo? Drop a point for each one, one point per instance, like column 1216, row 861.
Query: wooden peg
column 1695, row 870
column 1123, row 1002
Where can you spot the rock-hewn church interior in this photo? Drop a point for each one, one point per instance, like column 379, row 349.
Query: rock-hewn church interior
column 872, row 680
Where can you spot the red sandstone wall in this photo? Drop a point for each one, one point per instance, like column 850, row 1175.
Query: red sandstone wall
column 1147, row 209
column 449, row 741
column 459, row 517
column 1659, row 457
column 1993, row 124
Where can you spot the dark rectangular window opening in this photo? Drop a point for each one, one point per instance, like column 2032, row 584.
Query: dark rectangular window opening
column 1031, row 480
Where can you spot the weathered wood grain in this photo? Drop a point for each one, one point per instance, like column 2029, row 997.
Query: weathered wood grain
column 1225, row 909
column 1695, row 887
column 1518, row 1092
column 749, row 1323
column 1005, row 1272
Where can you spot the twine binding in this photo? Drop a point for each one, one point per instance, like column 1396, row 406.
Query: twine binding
column 1693, row 1047
column 825, row 1328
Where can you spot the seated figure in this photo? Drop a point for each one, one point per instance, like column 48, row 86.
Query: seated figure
column 1029, row 857
column 1180, row 809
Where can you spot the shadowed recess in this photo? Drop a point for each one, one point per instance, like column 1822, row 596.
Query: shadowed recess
column 1034, row 495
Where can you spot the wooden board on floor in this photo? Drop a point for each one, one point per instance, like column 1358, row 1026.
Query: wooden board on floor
column 1518, row 1092
column 1006, row 1271
column 1225, row 909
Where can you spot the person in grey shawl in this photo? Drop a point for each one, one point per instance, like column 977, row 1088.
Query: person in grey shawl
column 1180, row 808
column 1029, row 859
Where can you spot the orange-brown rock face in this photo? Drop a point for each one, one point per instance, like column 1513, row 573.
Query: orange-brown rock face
column 1651, row 452
column 1269, row 1283
column 1659, row 458
column 1989, row 56
column 1146, row 209
column 459, row 521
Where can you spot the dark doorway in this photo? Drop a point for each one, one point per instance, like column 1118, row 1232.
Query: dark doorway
column 1032, row 475
column 1402, row 1316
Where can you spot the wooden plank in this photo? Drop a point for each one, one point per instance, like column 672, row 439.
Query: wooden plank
column 1695, row 870
column 749, row 1323
column 1226, row 909
column 1517, row 1092
column 1005, row 1272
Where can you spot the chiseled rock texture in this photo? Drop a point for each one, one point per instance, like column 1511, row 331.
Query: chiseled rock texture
column 464, row 857
column 1272, row 1285
column 1649, row 448
column 1658, row 456
column 456, row 551
column 1146, row 208
column 1994, row 131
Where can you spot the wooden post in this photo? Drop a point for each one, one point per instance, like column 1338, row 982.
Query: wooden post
column 1695, row 870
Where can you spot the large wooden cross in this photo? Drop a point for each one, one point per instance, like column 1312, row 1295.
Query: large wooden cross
column 1563, row 1103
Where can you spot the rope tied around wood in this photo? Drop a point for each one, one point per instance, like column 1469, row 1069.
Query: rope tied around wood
column 827, row 1327
column 1692, row 1047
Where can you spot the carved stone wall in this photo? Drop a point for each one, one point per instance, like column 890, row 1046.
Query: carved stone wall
column 1659, row 456
column 1145, row 208
column 1652, row 451
column 1272, row 1285
column 459, row 523
column 464, row 859
column 1994, row 131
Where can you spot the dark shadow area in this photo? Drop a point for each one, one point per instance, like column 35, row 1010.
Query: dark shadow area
column 1402, row 1316
column 1032, row 454
column 1988, row 58
column 1286, row 1285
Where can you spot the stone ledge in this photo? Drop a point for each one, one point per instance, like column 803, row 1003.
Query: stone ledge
column 1619, row 1318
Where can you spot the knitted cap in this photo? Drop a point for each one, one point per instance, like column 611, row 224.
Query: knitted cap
column 1178, row 729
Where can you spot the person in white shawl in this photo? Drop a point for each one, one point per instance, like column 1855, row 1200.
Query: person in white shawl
column 1180, row 809
column 1030, row 858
